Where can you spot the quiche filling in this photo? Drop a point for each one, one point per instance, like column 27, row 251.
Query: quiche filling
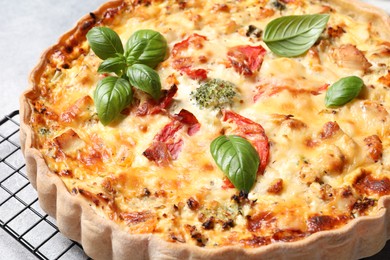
column 150, row 170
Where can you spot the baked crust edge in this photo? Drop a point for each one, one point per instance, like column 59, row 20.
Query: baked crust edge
column 103, row 239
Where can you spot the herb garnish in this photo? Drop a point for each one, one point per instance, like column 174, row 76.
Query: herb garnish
column 111, row 96
column 133, row 67
column 291, row 36
column 238, row 159
column 343, row 91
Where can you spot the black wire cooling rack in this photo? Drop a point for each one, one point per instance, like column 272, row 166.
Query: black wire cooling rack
column 20, row 214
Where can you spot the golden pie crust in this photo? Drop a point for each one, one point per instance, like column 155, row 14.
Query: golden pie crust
column 102, row 239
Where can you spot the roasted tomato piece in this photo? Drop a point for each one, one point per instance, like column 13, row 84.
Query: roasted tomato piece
column 197, row 74
column 246, row 59
column 195, row 40
column 187, row 118
column 152, row 107
column 253, row 132
column 166, row 144
column 184, row 63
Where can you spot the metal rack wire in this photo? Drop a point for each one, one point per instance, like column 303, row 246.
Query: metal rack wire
column 20, row 214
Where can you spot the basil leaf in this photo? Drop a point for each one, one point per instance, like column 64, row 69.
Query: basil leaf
column 145, row 78
column 291, row 36
column 111, row 96
column 238, row 159
column 146, row 47
column 104, row 42
column 115, row 64
column 343, row 91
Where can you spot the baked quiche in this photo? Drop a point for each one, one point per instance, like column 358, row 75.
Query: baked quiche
column 216, row 130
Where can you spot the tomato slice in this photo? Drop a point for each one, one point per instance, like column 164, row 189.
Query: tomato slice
column 195, row 40
column 152, row 107
column 227, row 184
column 187, row 118
column 246, row 59
column 184, row 63
column 253, row 132
column 165, row 147
column 197, row 74
column 166, row 144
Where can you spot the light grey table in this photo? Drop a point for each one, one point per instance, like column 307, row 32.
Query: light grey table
column 27, row 29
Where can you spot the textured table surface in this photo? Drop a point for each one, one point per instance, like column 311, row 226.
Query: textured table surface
column 27, row 28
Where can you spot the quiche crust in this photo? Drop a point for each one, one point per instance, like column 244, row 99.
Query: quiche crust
column 102, row 239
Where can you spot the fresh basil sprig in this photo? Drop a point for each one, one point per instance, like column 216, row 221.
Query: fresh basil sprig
column 343, row 91
column 111, row 96
column 114, row 64
column 104, row 42
column 145, row 79
column 238, row 159
column 145, row 49
column 291, row 36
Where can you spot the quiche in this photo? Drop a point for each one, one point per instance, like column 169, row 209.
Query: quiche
column 216, row 129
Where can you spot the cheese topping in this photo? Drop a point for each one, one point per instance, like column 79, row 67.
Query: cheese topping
column 325, row 166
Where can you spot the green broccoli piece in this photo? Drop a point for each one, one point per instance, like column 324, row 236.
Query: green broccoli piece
column 215, row 94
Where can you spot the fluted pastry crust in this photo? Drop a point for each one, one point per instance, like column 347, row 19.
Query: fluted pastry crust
column 104, row 239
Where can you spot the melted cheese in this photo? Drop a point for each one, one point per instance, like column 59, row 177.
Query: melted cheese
column 175, row 201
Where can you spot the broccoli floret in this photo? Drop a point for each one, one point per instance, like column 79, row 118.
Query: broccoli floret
column 215, row 94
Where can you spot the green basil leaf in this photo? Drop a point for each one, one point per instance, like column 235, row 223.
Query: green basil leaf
column 111, row 96
column 104, row 42
column 343, row 91
column 238, row 159
column 115, row 64
column 291, row 36
column 145, row 78
column 146, row 47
